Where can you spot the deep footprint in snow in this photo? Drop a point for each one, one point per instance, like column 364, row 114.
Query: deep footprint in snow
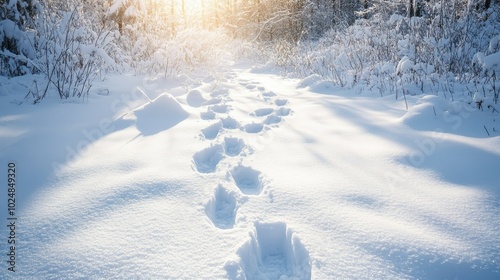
column 211, row 132
column 230, row 123
column 219, row 92
column 222, row 109
column 206, row 160
column 253, row 127
column 281, row 102
column 273, row 252
column 208, row 115
column 233, row 146
column 283, row 112
column 263, row 112
column 244, row 82
column 213, row 101
column 247, row 179
column 270, row 120
column 269, row 94
column 222, row 207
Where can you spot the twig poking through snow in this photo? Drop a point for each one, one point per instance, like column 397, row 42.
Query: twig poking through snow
column 406, row 101
column 486, row 130
column 144, row 93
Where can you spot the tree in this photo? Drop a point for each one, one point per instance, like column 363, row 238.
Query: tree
column 16, row 39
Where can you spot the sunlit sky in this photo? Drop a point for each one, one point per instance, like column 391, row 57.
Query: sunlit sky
column 194, row 9
column 191, row 6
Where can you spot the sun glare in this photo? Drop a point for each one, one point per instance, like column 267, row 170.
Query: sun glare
column 190, row 7
column 194, row 12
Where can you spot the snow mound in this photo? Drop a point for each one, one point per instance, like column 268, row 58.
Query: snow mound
column 310, row 80
column 421, row 116
column 195, row 98
column 273, row 252
column 427, row 114
column 161, row 114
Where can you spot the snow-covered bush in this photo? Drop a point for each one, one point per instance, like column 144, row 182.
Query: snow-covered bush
column 447, row 50
column 67, row 42
column 70, row 54
column 17, row 31
column 187, row 50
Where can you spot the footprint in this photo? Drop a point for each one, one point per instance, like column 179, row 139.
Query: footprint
column 250, row 86
column 208, row 115
column 247, row 179
column 229, row 76
column 281, row 102
column 272, row 252
column 221, row 208
column 261, row 88
column 211, row 132
column 213, row 101
column 230, row 123
column 209, row 79
column 222, row 109
column 253, row 127
column 206, row 160
column 283, row 112
column 219, row 92
column 233, row 146
column 263, row 112
column 272, row 120
column 269, row 94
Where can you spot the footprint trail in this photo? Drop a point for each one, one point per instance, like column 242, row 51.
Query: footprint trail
column 273, row 250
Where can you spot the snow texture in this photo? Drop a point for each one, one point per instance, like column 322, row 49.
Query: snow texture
column 281, row 179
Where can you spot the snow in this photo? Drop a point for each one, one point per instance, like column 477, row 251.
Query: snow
column 195, row 98
column 492, row 61
column 254, row 176
column 404, row 65
column 161, row 114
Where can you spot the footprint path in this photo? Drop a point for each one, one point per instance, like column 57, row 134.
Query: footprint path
column 273, row 251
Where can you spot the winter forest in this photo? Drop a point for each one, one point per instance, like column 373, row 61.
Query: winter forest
column 250, row 139
column 378, row 45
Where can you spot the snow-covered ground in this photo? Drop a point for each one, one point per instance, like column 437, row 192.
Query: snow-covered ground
column 247, row 175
